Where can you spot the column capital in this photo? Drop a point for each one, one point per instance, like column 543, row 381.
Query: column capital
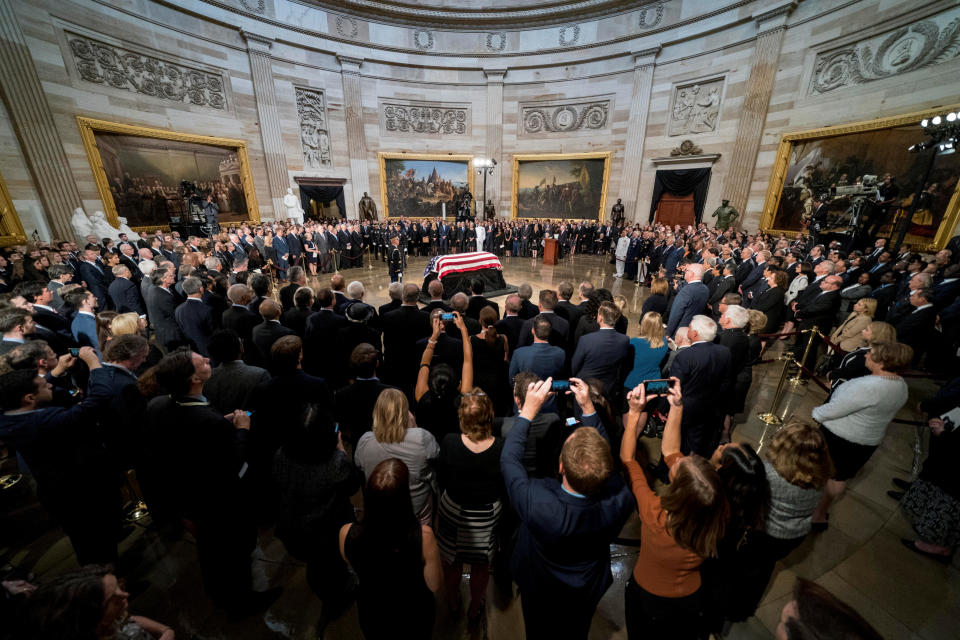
column 349, row 64
column 645, row 57
column 775, row 17
column 494, row 74
column 257, row 43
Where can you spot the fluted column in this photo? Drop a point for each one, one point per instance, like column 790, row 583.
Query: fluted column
column 36, row 130
column 771, row 24
column 356, row 137
column 494, row 146
column 644, row 62
column 258, row 48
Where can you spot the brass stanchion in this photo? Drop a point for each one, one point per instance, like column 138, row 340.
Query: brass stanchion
column 771, row 417
column 798, row 380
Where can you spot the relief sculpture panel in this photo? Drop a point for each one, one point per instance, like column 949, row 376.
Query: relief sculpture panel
column 540, row 119
column 420, row 119
column 695, row 108
column 314, row 135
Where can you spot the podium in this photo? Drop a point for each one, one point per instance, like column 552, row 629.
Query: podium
column 549, row 251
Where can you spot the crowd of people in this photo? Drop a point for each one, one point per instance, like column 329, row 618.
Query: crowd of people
column 231, row 398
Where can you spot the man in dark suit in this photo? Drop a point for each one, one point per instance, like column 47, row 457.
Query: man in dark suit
column 817, row 310
column 318, row 336
column 746, row 266
column 539, row 357
column 194, row 317
column 270, row 330
column 435, row 289
column 232, row 381
column 560, row 333
column 704, row 371
column 511, row 323
column 947, row 290
column 917, row 328
column 546, row 434
column 93, row 273
column 401, row 329
column 884, row 295
column 459, row 302
column 561, row 584
column 298, row 278
column 162, row 307
column 756, row 282
column 689, row 301
column 721, row 286
column 239, row 319
column 527, row 309
column 355, row 402
column 48, row 319
column 478, row 302
column 565, row 309
column 883, row 264
column 601, row 354
column 395, row 291
column 124, row 292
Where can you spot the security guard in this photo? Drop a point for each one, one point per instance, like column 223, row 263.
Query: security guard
column 395, row 260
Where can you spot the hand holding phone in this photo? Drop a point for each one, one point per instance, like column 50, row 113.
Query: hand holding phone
column 560, row 386
column 658, row 387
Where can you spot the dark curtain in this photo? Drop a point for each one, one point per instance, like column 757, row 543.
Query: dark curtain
column 323, row 194
column 681, row 182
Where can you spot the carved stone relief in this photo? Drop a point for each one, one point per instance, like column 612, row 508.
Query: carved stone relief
column 256, row 6
column 423, row 39
column 497, row 41
column 122, row 68
column 695, row 108
column 652, row 15
column 686, row 148
column 569, row 36
column 537, row 119
column 314, row 136
column 919, row 45
column 347, row 26
column 419, row 119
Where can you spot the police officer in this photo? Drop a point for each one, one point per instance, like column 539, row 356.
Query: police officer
column 395, row 260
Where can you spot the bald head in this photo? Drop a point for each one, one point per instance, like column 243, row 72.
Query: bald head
column 270, row 309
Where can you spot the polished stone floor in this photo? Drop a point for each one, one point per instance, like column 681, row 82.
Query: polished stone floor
column 859, row 559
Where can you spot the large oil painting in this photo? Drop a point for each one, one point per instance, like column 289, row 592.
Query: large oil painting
column 424, row 186
column 571, row 186
column 150, row 176
column 849, row 164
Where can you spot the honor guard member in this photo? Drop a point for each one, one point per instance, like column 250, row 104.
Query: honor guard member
column 395, row 260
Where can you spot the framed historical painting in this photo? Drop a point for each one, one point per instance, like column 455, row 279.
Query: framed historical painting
column 11, row 230
column 849, row 163
column 150, row 176
column 571, row 186
column 424, row 186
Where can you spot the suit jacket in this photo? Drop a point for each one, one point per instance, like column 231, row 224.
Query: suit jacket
column 125, row 295
column 744, row 270
column 738, row 342
column 84, row 330
column 819, row 311
column 286, row 295
column 848, row 336
column 433, row 304
column 771, row 303
column 569, row 312
column 543, row 359
column 354, row 407
column 96, row 279
column 510, row 326
column 528, row 310
column 690, row 301
column 559, row 531
column 884, row 295
column 53, row 321
column 296, row 318
column 706, row 370
column 384, row 309
column 755, row 276
column 265, row 334
column 916, row 329
column 601, row 355
column 876, row 272
column 241, row 321
column 479, row 302
column 196, row 323
column 319, row 346
column 401, row 329
column 559, row 331
column 849, row 296
column 231, row 384
column 945, row 293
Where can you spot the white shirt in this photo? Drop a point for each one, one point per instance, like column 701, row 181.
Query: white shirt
column 622, row 245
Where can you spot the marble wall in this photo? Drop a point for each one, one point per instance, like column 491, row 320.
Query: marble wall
column 730, row 75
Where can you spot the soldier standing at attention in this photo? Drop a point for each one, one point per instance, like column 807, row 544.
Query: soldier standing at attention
column 395, row 260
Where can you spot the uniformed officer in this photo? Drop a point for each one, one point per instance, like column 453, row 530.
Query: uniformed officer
column 395, row 260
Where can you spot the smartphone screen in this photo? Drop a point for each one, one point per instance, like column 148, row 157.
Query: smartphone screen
column 560, row 385
column 654, row 387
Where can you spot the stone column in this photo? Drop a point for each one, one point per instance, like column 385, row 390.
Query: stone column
column 356, row 137
column 494, row 145
column 258, row 48
column 644, row 62
column 771, row 24
column 33, row 122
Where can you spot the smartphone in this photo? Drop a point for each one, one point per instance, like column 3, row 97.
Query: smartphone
column 560, row 385
column 447, row 317
column 75, row 353
column 249, row 413
column 661, row 386
column 336, row 427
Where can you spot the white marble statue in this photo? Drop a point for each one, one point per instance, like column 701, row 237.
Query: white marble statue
column 81, row 224
column 292, row 203
column 124, row 228
column 102, row 228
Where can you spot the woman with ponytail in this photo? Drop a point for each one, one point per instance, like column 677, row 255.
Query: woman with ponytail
column 490, row 362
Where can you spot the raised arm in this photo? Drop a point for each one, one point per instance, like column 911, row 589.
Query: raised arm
column 466, row 376
column 637, row 400
column 511, row 458
column 423, row 374
column 671, row 432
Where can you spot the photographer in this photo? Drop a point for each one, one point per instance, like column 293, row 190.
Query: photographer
column 211, row 211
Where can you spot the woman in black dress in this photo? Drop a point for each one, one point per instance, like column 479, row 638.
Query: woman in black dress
column 771, row 301
column 657, row 301
column 490, row 361
column 310, row 252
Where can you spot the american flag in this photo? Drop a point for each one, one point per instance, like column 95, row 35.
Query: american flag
column 458, row 263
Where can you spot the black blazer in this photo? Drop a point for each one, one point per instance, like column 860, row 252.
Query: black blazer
column 125, row 295
column 771, row 303
column 401, row 329
column 196, row 323
column 528, row 310
column 510, row 326
column 319, row 348
column 601, row 355
column 96, row 280
column 569, row 312
column 819, row 311
column 479, row 302
column 916, row 329
column 559, row 331
column 265, row 334
column 354, row 407
column 241, row 321
column 705, row 369
column 162, row 309
column 739, row 344
column 296, row 318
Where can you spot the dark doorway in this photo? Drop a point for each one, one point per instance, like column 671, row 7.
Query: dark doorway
column 322, row 197
column 679, row 196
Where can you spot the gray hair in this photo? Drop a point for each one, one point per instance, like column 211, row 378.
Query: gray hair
column 459, row 301
column 212, row 264
column 739, row 317
column 192, row 285
column 525, row 291
column 355, row 290
column 705, row 327
column 119, row 270
column 396, row 290
column 147, row 267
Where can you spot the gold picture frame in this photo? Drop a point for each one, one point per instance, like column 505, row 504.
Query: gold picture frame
column 384, row 157
column 89, row 127
column 606, row 156
column 11, row 229
column 789, row 141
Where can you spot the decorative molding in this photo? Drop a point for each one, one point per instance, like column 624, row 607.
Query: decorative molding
column 497, row 41
column 123, row 68
column 418, row 119
column 567, row 117
column 569, row 36
column 695, row 107
column 254, row 6
column 686, row 148
column 314, row 135
column 922, row 44
column 347, row 26
column 686, row 162
column 657, row 17
column 423, row 39
column 257, row 43
column 349, row 64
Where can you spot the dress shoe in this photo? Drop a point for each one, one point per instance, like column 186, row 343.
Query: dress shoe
column 939, row 557
column 896, row 495
column 903, row 484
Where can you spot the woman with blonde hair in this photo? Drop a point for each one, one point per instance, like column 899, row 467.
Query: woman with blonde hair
column 649, row 351
column 469, row 473
column 849, row 335
column 658, row 298
column 128, row 324
column 396, row 435
column 854, row 364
